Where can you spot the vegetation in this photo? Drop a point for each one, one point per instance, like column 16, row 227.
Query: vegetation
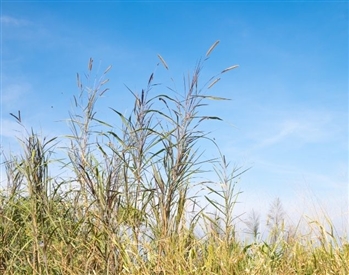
column 131, row 200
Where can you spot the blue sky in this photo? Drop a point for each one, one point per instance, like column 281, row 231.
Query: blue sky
column 289, row 107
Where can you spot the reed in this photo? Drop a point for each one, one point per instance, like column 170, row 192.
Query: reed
column 128, row 203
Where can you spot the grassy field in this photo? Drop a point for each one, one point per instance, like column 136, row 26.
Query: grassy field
column 128, row 201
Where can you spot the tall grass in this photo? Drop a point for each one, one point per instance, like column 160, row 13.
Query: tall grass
column 128, row 202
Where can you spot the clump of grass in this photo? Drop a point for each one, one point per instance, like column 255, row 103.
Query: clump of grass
column 127, row 202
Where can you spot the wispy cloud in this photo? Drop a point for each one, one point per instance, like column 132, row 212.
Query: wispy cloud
column 10, row 128
column 12, row 21
column 283, row 131
column 12, row 93
column 303, row 127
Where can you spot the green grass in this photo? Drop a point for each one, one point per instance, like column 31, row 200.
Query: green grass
column 128, row 204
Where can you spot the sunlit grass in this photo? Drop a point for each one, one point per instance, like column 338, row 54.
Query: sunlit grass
column 126, row 203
